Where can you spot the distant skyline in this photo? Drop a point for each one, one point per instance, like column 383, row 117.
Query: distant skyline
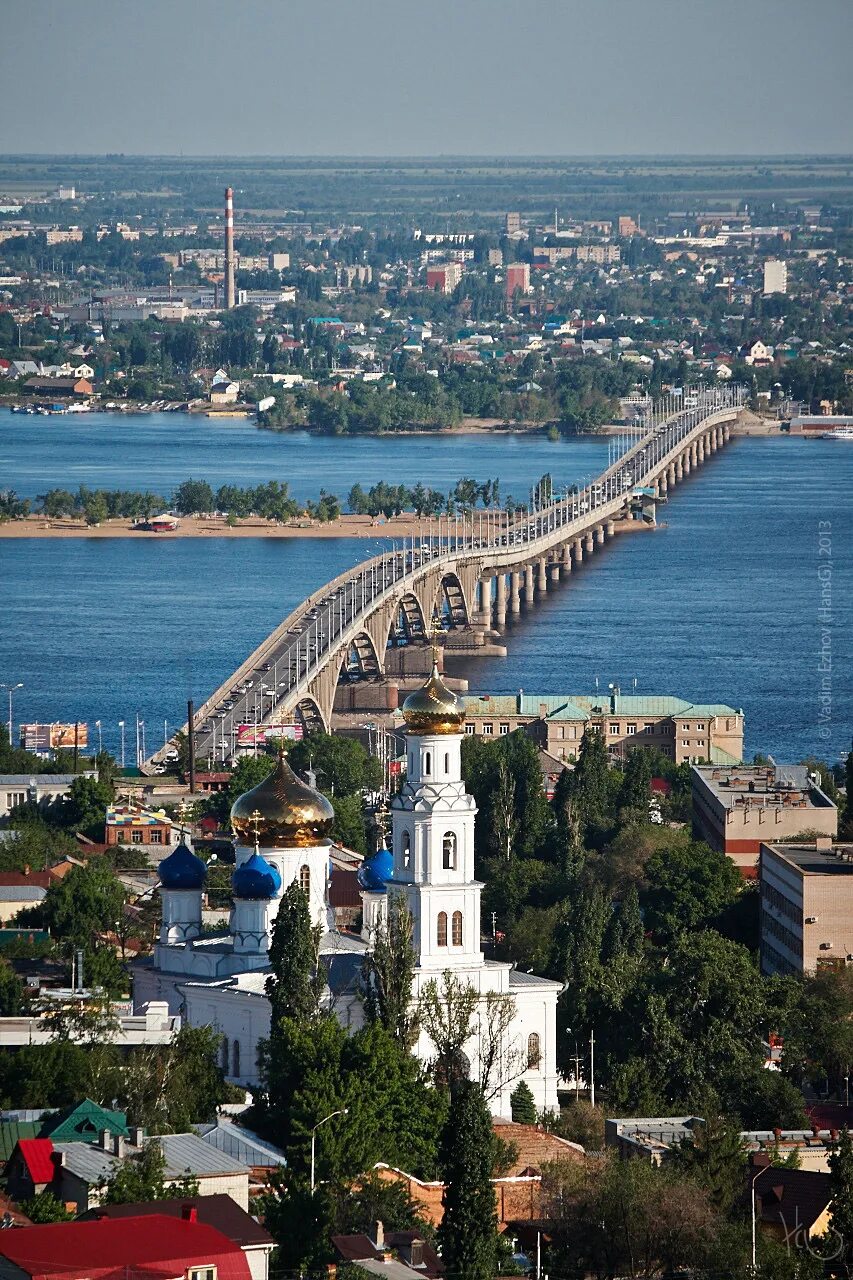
column 452, row 77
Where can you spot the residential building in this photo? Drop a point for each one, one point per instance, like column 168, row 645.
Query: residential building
column 517, row 278
column 806, row 906
column 626, row 227
column 400, row 1255
column 682, row 730
column 738, row 809
column 218, row 1211
column 81, row 1170
column 20, row 890
column 444, row 277
column 775, row 276
column 131, row 824
column 62, row 387
column 69, row 235
column 652, row 1139
column 279, row 261
column 157, row 1244
column 791, row 1205
column 43, row 789
column 224, row 392
column 512, row 224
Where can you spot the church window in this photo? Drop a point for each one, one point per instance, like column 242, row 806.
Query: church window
column 534, row 1052
column 235, row 1058
column 406, row 848
column 223, row 1055
column 441, row 931
column 457, row 929
column 448, row 851
column 305, row 879
column 447, row 762
column 427, row 763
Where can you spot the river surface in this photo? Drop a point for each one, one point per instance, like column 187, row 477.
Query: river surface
column 726, row 603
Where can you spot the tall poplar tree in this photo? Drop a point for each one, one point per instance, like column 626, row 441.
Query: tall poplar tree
column 589, row 780
column 841, row 1205
column 468, row 1231
column 387, row 975
column 297, row 978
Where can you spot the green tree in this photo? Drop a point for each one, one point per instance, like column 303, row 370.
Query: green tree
column 590, row 790
column 388, row 973
column 44, row 1208
column 636, row 787
column 715, row 1157
column 12, row 991
column 342, row 765
column 83, row 904
column 841, row 1205
column 297, row 978
column 687, row 887
column 349, row 826
column 523, row 1104
column 468, row 1230
column 85, row 807
column 169, row 1088
column 141, row 1177
column 193, row 496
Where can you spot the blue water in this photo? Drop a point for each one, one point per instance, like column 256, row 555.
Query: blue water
column 721, row 605
column 159, row 450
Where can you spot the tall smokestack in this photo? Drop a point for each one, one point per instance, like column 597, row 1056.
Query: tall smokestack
column 230, row 295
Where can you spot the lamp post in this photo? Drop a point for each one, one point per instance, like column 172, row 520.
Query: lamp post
column 10, row 688
column 121, row 726
column 342, row 1112
column 763, row 1169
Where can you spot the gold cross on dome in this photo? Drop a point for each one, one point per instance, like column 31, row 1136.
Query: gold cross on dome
column 434, row 632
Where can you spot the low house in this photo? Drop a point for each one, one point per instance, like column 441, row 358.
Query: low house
column 82, row 1169
column 157, row 1244
column 217, row 1211
column 224, row 392
column 400, row 1255
column 63, row 387
column 84, row 1122
column 133, row 825
column 21, row 889
column 30, row 1169
column 43, row 789
column 791, row 1205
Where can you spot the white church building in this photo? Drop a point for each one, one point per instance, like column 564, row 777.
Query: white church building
column 282, row 835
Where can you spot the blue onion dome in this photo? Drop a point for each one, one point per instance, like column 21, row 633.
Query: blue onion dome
column 256, row 878
column 182, row 870
column 375, row 872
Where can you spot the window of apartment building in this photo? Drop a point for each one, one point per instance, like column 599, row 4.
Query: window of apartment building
column 156, row 837
column 700, row 726
column 136, row 837
column 16, row 797
column 487, row 730
column 503, row 728
column 648, row 728
column 685, row 728
column 685, row 742
column 614, row 727
column 630, row 729
column 202, row 1273
column 470, row 728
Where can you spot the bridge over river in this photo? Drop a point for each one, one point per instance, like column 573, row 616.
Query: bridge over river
column 469, row 572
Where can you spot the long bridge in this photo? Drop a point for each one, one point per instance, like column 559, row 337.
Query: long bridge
column 470, row 572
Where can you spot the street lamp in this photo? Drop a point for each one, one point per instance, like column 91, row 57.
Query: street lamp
column 763, row 1169
column 344, row 1111
column 11, row 689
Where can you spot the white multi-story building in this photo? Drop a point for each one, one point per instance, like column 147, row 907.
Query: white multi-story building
column 775, row 276
column 281, row 827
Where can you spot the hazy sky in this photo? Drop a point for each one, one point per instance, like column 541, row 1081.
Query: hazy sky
column 408, row 77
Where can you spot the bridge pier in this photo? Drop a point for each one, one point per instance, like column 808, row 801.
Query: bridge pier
column 589, row 544
column 701, row 449
column 481, row 614
column 599, row 535
column 679, row 468
column 610, row 528
column 566, row 551
column 554, row 571
column 670, row 474
column 528, row 584
column 542, row 575
column 662, row 485
column 694, row 455
column 500, row 600
column 578, row 544
column 515, row 592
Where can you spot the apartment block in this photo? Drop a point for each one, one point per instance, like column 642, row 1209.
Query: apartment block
column 738, row 809
column 444, row 277
column 806, row 906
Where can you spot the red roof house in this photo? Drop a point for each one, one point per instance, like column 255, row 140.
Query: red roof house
column 154, row 1246
column 30, row 1167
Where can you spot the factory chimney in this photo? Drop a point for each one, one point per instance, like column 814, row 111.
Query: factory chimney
column 230, row 295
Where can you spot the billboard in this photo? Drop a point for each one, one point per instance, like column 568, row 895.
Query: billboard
column 250, row 735
column 50, row 737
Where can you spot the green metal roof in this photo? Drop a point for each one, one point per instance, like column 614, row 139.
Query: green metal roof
column 83, row 1123
column 11, row 1132
column 578, row 706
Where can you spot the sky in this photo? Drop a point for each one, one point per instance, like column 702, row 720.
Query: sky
column 426, row 77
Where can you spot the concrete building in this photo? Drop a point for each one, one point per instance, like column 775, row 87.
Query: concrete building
column 775, row 277
column 652, row 1139
column 806, row 906
column 626, row 226
column 737, row 810
column 42, row 789
column 517, row 278
column 512, row 224
column 132, row 825
column 682, row 730
column 444, row 277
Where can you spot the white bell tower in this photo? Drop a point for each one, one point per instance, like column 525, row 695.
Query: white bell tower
column 433, row 834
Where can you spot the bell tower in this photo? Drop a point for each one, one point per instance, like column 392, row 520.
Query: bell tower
column 433, row 833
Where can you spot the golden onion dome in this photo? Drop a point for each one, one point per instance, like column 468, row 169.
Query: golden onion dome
column 282, row 813
column 434, row 708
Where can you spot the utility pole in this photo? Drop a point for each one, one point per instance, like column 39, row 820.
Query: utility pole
column 592, row 1068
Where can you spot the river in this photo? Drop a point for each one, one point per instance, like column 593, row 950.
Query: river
column 723, row 604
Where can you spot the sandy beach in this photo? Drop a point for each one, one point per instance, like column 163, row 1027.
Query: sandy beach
column 347, row 526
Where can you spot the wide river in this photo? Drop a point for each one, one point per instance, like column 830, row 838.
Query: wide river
column 726, row 603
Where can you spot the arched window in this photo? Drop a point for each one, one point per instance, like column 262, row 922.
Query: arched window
column 427, row 763
column 457, row 929
column 448, row 851
column 305, row 879
column 406, row 848
column 235, row 1058
column 534, row 1052
column 447, row 762
column 223, row 1055
column 441, row 931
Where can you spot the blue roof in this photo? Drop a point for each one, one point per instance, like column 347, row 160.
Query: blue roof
column 182, row 870
column 256, row 878
column 376, row 871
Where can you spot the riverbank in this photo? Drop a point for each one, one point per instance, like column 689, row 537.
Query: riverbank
column 346, row 526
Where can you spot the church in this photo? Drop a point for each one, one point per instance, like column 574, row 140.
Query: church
column 281, row 828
